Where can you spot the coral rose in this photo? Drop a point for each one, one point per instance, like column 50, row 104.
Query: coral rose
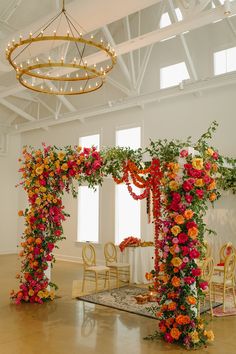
column 175, row 333
column 193, row 232
column 188, row 214
column 179, row 219
column 175, row 230
column 191, row 300
column 175, row 281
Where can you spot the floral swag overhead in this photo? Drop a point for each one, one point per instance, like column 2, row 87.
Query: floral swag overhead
column 177, row 186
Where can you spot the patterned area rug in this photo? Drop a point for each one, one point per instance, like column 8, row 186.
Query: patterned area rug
column 123, row 299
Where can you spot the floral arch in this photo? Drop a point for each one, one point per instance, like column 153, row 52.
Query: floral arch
column 177, row 185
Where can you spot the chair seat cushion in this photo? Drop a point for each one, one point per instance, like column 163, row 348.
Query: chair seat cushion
column 217, row 279
column 219, row 267
column 98, row 268
column 118, row 265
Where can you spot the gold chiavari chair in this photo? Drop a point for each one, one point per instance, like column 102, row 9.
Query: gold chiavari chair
column 207, row 273
column 120, row 271
column 225, row 251
column 221, row 284
column 92, row 271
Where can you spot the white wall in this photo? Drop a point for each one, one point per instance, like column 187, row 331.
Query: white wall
column 9, row 197
column 175, row 118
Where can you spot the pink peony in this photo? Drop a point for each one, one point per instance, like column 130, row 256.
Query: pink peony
column 185, row 259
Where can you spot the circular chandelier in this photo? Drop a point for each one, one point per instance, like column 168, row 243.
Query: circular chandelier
column 44, row 63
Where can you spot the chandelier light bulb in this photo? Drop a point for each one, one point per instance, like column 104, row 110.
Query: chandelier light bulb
column 96, row 84
column 81, row 88
column 91, row 36
column 30, row 35
column 37, row 59
column 68, row 33
column 41, row 32
column 54, row 32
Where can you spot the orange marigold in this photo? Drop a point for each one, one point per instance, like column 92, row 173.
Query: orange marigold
column 212, row 197
column 172, row 306
column 188, row 214
column 175, row 333
column 175, row 281
column 193, row 232
column 191, row 300
column 179, row 219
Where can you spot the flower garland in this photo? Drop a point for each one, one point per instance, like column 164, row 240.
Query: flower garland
column 46, row 175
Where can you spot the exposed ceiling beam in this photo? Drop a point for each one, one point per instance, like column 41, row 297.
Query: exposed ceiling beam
column 118, row 85
column 129, row 102
column 17, row 110
column 228, row 20
column 131, row 55
column 189, row 60
column 120, row 60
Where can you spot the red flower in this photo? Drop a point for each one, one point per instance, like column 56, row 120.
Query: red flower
column 183, row 153
column 203, row 285
column 182, row 237
column 194, row 254
column 189, row 280
column 215, row 155
column 187, row 186
column 176, row 197
column 188, row 198
column 185, row 250
column 200, row 193
column 196, row 272
column 191, row 224
column 57, row 232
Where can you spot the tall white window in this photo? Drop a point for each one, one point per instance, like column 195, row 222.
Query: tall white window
column 88, row 202
column 225, row 61
column 127, row 221
column 172, row 75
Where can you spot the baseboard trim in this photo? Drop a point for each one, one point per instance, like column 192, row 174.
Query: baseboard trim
column 8, row 252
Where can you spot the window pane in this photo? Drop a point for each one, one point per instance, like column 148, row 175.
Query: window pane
column 165, row 20
column 90, row 140
column 127, row 213
column 88, row 214
column 174, row 74
column 129, row 138
column 225, row 61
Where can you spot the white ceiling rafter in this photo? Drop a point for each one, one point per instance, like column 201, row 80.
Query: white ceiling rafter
column 228, row 20
column 17, row 110
column 131, row 55
column 148, row 51
column 189, row 60
column 120, row 60
column 135, row 101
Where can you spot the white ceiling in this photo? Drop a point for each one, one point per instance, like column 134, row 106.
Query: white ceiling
column 132, row 27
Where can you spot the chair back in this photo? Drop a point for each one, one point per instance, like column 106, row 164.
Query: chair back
column 110, row 252
column 207, row 269
column 226, row 250
column 88, row 255
column 208, row 249
column 229, row 267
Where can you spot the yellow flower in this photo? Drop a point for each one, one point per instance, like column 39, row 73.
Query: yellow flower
column 194, row 337
column 61, row 155
column 173, row 185
column 64, row 167
column 79, row 148
column 31, row 292
column 38, row 201
column 39, row 170
column 40, row 294
column 51, row 295
column 197, row 163
column 176, row 261
column 199, row 182
column 42, row 189
column 209, row 151
column 175, row 230
column 210, row 335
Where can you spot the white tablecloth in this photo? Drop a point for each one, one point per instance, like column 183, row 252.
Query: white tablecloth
column 141, row 260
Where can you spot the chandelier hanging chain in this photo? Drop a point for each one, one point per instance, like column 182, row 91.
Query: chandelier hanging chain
column 60, row 76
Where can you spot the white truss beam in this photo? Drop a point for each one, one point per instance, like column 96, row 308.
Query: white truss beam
column 189, row 60
column 120, row 60
column 136, row 101
column 131, row 55
column 17, row 110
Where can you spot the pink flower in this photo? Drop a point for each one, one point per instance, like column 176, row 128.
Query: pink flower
column 207, row 179
column 215, row 155
column 176, row 197
column 196, row 272
column 95, row 155
column 207, row 166
column 200, row 193
column 50, row 246
column 194, row 254
column 96, row 165
column 185, row 250
column 168, row 338
column 185, row 259
column 86, row 151
column 166, row 248
column 187, row 186
column 42, row 182
column 189, row 280
column 57, row 232
column 183, row 153
column 175, row 240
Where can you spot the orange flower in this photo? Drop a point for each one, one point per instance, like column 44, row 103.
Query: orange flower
column 162, row 267
column 179, row 219
column 210, row 335
column 191, row 300
column 199, row 182
column 20, row 213
column 176, row 261
column 162, row 328
column 175, row 333
column 193, row 232
column 212, row 197
column 30, row 240
column 176, row 270
column 188, row 214
column 149, row 276
column 38, row 241
column 209, row 151
column 182, row 307
column 39, row 170
column 211, row 186
column 64, row 167
column 173, row 185
column 175, row 281
column 175, row 230
column 183, row 319
column 172, row 306
column 215, row 167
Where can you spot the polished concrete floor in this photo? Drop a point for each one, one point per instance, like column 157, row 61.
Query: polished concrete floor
column 67, row 326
